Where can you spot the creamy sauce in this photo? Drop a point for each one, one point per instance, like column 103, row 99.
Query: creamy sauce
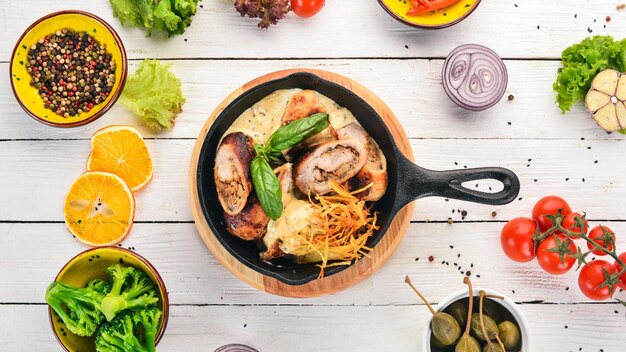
column 337, row 115
column 341, row 117
column 265, row 117
column 296, row 219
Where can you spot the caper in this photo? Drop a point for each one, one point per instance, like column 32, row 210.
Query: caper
column 492, row 309
column 509, row 334
column 445, row 328
column 436, row 344
column 467, row 343
column 458, row 310
column 492, row 348
column 490, row 326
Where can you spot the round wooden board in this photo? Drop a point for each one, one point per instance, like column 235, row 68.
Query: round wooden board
column 327, row 285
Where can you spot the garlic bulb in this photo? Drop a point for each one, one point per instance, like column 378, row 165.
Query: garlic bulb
column 605, row 100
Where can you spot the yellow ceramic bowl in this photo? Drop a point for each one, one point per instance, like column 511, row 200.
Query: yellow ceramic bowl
column 90, row 265
column 443, row 18
column 77, row 21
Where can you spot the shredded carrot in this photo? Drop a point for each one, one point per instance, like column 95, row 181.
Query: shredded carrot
column 343, row 226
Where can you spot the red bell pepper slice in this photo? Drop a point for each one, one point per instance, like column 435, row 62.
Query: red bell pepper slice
column 424, row 6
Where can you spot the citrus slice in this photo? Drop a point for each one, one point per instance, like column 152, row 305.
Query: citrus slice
column 121, row 150
column 99, row 209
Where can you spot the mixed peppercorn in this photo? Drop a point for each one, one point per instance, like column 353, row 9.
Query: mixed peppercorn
column 71, row 71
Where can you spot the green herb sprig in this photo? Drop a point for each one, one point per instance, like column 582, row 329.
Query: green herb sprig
column 265, row 182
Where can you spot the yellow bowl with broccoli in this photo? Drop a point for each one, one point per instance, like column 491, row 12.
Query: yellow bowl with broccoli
column 89, row 270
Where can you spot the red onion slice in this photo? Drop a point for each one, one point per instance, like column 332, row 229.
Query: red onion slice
column 235, row 348
column 474, row 77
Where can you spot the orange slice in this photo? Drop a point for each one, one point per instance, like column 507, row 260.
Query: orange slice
column 121, row 150
column 99, row 209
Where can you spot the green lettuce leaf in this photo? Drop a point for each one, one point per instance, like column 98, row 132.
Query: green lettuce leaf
column 154, row 94
column 171, row 16
column 581, row 62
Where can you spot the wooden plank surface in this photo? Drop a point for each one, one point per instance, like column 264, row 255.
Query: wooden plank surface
column 346, row 28
column 412, row 89
column 567, row 155
column 346, row 328
column 39, row 173
column 193, row 275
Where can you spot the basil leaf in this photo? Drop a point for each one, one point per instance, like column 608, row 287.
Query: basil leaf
column 259, row 149
column 297, row 131
column 265, row 182
column 267, row 187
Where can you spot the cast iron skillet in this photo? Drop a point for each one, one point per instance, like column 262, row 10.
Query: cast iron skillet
column 407, row 181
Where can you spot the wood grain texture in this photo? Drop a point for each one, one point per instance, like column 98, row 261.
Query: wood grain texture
column 401, row 65
column 346, row 28
column 297, row 328
column 411, row 88
column 37, row 174
column 356, row 272
column 193, row 275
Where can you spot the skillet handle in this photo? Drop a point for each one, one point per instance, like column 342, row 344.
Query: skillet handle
column 415, row 182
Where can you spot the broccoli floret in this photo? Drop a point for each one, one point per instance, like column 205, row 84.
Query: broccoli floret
column 130, row 288
column 79, row 308
column 118, row 335
column 130, row 331
column 100, row 286
column 150, row 319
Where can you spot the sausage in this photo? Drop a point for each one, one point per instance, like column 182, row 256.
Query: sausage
column 338, row 161
column 375, row 169
column 232, row 172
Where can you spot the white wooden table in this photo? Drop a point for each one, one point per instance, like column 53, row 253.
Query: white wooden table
column 219, row 52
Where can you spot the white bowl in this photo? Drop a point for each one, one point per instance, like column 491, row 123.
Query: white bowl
column 516, row 312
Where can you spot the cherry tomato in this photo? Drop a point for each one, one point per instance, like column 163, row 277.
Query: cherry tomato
column 569, row 223
column 549, row 205
column 307, row 8
column 591, row 277
column 619, row 268
column 598, row 232
column 517, row 239
column 551, row 261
